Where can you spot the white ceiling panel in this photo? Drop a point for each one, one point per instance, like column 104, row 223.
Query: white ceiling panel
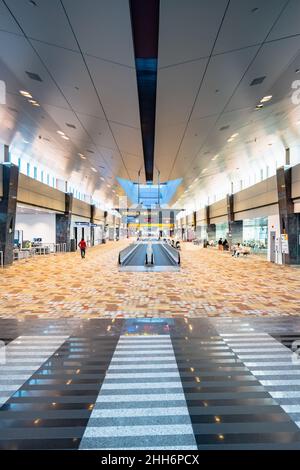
column 242, row 27
column 167, row 140
column 223, row 74
column 46, row 22
column 128, row 138
column 19, row 57
column 176, row 91
column 70, row 73
column 99, row 130
column 270, row 62
column 117, row 89
column 7, row 22
column 103, row 28
column 195, row 136
column 188, row 29
column 288, row 24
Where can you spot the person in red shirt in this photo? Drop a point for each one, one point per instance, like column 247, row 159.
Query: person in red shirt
column 82, row 246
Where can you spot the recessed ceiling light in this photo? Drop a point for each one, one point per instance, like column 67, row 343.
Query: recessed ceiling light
column 93, row 169
column 60, row 132
column 35, row 104
column 25, row 141
column 65, row 137
column 25, row 93
column 234, row 135
column 204, row 170
column 259, row 106
column 32, row 101
column 215, row 157
column 266, row 98
column 230, row 139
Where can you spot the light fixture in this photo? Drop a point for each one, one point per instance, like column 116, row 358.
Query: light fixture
column 36, row 104
column 101, row 177
column 234, row 135
column 25, row 93
column 215, row 157
column 230, row 139
column 82, row 156
column 32, row 101
column 204, row 170
column 60, row 132
column 259, row 106
column 65, row 137
column 93, row 169
column 266, row 98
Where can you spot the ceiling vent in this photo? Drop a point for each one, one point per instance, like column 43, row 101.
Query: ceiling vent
column 34, row 76
column 70, row 125
column 257, row 81
column 223, row 128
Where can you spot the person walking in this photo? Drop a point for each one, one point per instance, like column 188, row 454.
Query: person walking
column 220, row 244
column 82, row 246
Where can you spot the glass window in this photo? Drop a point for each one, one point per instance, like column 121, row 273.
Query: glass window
column 255, row 234
column 35, row 172
column 28, row 169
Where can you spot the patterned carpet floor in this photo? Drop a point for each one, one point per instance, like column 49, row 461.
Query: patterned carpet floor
column 209, row 284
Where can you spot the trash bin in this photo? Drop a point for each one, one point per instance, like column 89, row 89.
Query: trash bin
column 72, row 244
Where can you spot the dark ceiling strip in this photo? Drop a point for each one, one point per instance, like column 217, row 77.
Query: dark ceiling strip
column 145, row 22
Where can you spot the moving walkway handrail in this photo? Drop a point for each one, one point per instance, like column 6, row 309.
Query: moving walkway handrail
column 172, row 252
column 126, row 253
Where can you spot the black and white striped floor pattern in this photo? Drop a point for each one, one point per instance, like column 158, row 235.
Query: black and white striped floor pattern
column 183, row 384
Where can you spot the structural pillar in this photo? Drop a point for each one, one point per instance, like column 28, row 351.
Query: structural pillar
column 92, row 220
column 289, row 221
column 63, row 223
column 8, row 208
column 235, row 227
column 210, row 228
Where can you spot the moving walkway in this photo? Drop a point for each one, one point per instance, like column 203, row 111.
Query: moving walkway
column 147, row 256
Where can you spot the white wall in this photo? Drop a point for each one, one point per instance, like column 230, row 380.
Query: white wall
column 37, row 226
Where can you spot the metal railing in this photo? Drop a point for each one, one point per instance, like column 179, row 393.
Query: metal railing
column 126, row 252
column 172, row 252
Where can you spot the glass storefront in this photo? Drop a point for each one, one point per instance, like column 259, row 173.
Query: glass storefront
column 255, row 234
column 222, row 231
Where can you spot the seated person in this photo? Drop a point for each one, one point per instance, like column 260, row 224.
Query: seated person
column 237, row 250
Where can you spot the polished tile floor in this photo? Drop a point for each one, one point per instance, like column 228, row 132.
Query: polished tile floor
column 209, row 284
column 160, row 383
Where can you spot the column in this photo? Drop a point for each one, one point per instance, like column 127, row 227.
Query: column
column 93, row 209
column 8, row 207
column 210, row 228
column 289, row 221
column 63, row 223
column 235, row 227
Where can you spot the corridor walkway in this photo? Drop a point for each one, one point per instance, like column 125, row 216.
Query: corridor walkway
column 210, row 284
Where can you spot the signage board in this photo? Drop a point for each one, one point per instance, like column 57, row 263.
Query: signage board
column 284, row 243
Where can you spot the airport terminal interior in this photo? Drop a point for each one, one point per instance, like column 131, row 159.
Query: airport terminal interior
column 150, row 225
